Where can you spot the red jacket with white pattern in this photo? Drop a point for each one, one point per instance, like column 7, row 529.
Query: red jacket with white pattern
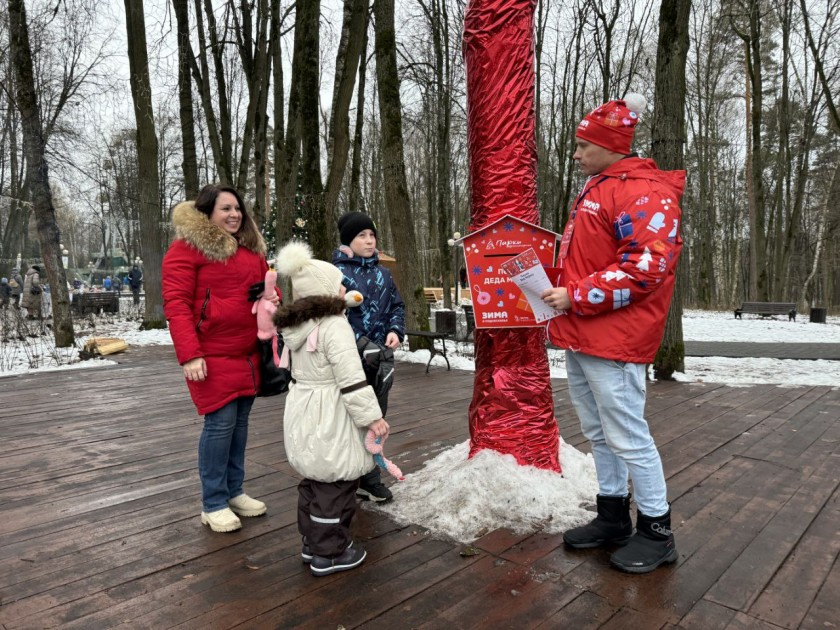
column 620, row 265
column 206, row 276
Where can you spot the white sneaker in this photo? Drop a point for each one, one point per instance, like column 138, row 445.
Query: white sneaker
column 221, row 520
column 246, row 506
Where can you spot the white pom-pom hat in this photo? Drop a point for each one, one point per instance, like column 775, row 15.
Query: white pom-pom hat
column 612, row 125
column 309, row 275
column 635, row 102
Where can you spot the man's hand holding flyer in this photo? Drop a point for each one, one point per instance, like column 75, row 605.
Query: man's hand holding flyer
column 528, row 274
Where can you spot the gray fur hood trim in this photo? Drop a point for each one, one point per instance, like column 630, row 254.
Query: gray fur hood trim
column 196, row 229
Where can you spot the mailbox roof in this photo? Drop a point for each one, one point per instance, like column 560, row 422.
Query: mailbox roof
column 508, row 218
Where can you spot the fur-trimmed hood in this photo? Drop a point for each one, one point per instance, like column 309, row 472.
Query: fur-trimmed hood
column 195, row 228
column 298, row 320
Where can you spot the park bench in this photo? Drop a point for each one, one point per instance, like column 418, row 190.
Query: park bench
column 469, row 318
column 431, row 299
column 431, row 337
column 433, row 295
column 766, row 309
column 107, row 302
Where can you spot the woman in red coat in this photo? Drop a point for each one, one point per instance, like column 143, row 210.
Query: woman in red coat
column 207, row 272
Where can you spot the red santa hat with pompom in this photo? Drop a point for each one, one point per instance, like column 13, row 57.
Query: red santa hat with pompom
column 613, row 124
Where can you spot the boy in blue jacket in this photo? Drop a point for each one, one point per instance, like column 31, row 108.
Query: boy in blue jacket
column 380, row 318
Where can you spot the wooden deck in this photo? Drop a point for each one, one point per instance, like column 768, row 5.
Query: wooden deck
column 99, row 524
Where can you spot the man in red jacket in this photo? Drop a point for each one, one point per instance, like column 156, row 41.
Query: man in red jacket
column 618, row 258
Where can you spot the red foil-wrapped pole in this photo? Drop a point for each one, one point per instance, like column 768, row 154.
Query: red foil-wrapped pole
column 512, row 410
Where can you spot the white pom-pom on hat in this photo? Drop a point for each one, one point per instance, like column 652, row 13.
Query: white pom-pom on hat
column 310, row 276
column 292, row 258
column 635, row 102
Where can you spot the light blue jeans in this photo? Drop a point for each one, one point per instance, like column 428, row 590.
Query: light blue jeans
column 609, row 397
column 221, row 453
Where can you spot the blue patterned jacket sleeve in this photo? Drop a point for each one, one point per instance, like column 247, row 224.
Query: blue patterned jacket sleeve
column 383, row 309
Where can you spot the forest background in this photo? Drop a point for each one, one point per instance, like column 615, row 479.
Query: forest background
column 312, row 109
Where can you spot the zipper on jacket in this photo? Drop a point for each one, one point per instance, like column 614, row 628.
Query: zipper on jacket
column 203, row 311
column 253, row 377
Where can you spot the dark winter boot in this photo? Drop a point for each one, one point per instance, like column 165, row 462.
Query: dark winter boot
column 612, row 526
column 651, row 545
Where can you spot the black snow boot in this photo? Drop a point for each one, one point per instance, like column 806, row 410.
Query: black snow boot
column 612, row 526
column 652, row 545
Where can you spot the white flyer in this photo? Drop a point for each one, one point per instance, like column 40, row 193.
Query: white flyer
column 528, row 274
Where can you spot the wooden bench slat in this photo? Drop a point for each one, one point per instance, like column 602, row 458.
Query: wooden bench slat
column 431, row 336
column 765, row 309
column 108, row 302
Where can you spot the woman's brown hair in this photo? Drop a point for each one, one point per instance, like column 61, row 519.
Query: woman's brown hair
column 248, row 235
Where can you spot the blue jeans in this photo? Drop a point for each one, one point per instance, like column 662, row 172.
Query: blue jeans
column 609, row 397
column 221, row 453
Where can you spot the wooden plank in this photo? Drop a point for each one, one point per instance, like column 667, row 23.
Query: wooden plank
column 706, row 615
column 825, row 607
column 588, row 610
column 796, row 592
column 740, row 509
column 746, row 579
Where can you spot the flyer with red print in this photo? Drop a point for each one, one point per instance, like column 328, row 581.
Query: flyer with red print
column 528, row 274
column 497, row 300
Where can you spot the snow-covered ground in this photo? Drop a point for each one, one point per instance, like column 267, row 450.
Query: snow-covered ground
column 461, row 498
column 41, row 355
column 715, row 326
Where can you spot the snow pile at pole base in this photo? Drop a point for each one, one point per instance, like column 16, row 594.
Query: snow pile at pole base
column 463, row 499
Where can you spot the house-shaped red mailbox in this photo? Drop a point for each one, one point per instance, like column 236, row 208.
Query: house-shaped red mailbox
column 497, row 301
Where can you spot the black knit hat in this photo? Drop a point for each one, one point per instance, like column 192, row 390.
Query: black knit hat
column 351, row 224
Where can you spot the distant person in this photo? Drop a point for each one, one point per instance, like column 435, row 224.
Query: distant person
column 117, row 284
column 5, row 293
column 380, row 318
column 135, row 281
column 328, row 411
column 462, row 277
column 16, row 285
column 32, row 291
column 216, row 260
column 618, row 260
column 107, row 284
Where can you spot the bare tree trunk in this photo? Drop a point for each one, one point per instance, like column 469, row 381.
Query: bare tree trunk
column 819, row 61
column 34, row 148
column 668, row 144
column 752, row 266
column 253, row 55
column 147, row 162
column 225, row 165
column 758, row 237
column 286, row 148
column 356, row 163
column 15, row 232
column 256, row 64
column 831, row 198
column 190, row 161
column 350, row 49
column 438, row 187
column 604, row 32
column 201, row 76
column 306, row 26
column 397, row 199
